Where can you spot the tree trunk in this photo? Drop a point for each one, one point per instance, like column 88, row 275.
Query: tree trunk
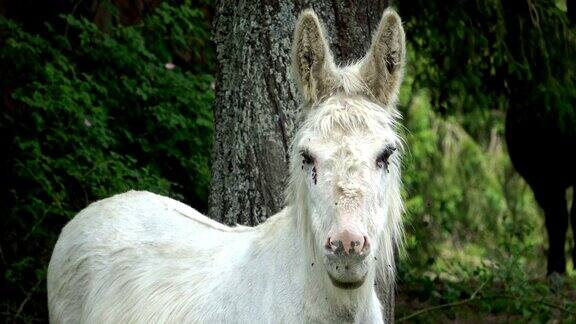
column 256, row 100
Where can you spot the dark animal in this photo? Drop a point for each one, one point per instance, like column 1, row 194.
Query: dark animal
column 542, row 145
column 541, row 120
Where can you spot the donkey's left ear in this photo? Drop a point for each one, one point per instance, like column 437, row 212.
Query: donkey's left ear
column 383, row 66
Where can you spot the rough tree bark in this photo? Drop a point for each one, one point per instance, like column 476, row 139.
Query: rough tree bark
column 256, row 100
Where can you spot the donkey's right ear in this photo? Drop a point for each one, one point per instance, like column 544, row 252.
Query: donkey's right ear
column 312, row 62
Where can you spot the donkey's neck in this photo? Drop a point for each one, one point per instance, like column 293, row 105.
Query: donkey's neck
column 297, row 272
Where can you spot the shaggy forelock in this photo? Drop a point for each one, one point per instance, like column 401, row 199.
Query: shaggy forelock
column 343, row 115
column 349, row 115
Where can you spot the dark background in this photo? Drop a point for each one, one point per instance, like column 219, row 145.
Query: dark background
column 99, row 97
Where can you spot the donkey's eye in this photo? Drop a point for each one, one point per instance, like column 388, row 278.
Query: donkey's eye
column 306, row 157
column 382, row 160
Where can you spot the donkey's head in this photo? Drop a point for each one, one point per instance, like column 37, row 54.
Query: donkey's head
column 345, row 173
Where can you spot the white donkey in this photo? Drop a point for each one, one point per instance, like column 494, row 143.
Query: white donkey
column 142, row 258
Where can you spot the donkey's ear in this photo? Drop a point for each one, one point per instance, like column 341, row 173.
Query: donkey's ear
column 312, row 62
column 383, row 66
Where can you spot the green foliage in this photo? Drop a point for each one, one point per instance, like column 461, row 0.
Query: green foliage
column 478, row 55
column 474, row 235
column 89, row 114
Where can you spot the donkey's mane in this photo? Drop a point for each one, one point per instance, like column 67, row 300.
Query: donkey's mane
column 351, row 115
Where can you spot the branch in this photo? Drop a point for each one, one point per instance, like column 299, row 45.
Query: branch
column 452, row 304
column 28, row 297
column 437, row 307
column 473, row 299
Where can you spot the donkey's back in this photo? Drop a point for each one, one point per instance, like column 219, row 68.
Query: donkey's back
column 106, row 254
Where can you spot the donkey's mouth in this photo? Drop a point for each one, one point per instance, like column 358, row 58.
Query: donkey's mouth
column 346, row 272
column 347, row 284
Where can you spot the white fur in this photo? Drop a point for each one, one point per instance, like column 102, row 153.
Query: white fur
column 142, row 258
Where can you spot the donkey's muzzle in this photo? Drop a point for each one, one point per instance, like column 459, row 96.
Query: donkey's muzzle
column 348, row 243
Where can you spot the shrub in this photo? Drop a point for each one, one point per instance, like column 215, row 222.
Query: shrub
column 88, row 114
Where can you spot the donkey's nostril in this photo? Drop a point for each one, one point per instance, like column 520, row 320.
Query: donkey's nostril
column 366, row 246
column 328, row 245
